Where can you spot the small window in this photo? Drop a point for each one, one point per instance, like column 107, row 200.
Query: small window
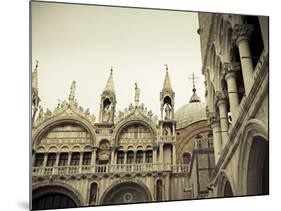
column 75, row 159
column 148, row 156
column 186, row 158
column 130, row 157
column 39, row 159
column 120, row 157
column 51, row 159
column 63, row 159
column 139, row 158
column 87, row 158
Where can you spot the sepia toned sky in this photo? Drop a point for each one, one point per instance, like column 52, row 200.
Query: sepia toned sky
column 82, row 42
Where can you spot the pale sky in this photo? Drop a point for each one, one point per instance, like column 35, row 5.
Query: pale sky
column 81, row 43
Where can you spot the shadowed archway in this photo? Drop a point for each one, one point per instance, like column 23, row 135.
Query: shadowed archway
column 126, row 192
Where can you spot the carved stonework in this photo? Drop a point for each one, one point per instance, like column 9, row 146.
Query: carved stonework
column 230, row 69
column 241, row 31
column 213, row 118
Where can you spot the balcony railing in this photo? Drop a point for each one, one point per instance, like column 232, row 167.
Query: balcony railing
column 102, row 169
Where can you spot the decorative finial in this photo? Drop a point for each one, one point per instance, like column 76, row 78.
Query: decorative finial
column 137, row 94
column 193, row 78
column 72, row 91
column 111, row 69
column 166, row 66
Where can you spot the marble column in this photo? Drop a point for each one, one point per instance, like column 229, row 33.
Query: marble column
column 57, row 159
column 154, row 155
column 45, row 159
column 69, row 158
column 230, row 70
column 125, row 157
column 214, row 123
column 221, row 103
column 241, row 35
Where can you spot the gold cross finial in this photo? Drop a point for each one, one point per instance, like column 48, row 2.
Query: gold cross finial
column 111, row 69
column 166, row 66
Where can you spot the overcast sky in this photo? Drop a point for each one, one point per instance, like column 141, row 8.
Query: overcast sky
column 81, row 43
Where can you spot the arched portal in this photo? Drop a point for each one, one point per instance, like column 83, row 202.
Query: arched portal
column 227, row 190
column 54, row 197
column 258, row 167
column 126, row 192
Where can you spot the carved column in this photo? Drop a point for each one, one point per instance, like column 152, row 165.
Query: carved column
column 143, row 157
column 230, row 70
column 241, row 35
column 94, row 157
column 221, row 103
column 154, row 155
column 214, row 123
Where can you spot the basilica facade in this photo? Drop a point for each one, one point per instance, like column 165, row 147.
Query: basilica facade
column 235, row 65
column 128, row 156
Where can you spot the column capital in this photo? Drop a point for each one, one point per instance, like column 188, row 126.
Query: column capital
column 213, row 119
column 220, row 98
column 230, row 69
column 241, row 32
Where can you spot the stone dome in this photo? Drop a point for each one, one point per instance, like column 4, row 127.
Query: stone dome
column 190, row 113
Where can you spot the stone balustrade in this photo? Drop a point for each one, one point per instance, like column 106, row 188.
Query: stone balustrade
column 102, row 169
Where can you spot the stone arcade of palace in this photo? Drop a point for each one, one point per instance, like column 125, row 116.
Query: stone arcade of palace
column 202, row 150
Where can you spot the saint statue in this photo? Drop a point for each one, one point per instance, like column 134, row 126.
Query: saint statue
column 72, row 91
column 106, row 113
column 168, row 110
column 41, row 113
column 137, row 94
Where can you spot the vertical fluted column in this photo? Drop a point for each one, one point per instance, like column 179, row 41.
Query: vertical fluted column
column 241, row 35
column 230, row 70
column 221, row 103
column 214, row 123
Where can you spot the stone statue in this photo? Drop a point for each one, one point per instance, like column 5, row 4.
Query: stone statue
column 41, row 113
column 87, row 112
column 137, row 94
column 72, row 91
column 106, row 113
column 48, row 112
column 168, row 110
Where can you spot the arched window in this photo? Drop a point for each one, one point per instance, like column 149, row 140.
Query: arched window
column 148, row 156
column 39, row 159
column 75, row 159
column 51, row 159
column 186, row 158
column 159, row 192
column 93, row 194
column 120, row 157
column 87, row 158
column 63, row 159
column 139, row 157
column 130, row 157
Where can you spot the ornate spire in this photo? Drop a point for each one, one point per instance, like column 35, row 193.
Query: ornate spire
column 167, row 82
column 110, row 85
column 194, row 98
